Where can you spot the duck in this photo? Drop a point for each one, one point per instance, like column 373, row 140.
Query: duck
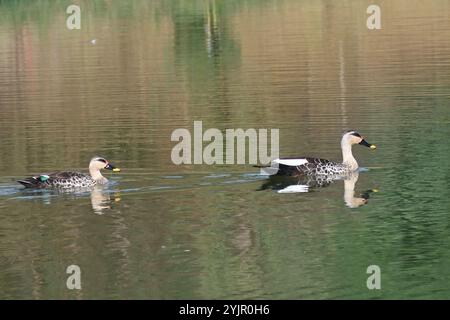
column 308, row 166
column 72, row 179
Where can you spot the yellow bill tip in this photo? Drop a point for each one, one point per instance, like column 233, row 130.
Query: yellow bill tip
column 375, row 190
column 116, row 170
column 373, row 147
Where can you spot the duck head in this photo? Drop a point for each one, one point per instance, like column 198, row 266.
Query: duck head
column 352, row 137
column 348, row 140
column 97, row 164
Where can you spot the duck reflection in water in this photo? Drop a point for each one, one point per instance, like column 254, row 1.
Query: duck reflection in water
column 284, row 184
column 101, row 201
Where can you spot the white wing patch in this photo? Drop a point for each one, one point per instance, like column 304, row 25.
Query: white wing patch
column 294, row 189
column 291, row 162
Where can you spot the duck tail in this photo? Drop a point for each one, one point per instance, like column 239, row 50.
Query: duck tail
column 29, row 182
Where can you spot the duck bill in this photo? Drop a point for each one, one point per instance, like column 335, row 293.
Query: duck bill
column 111, row 167
column 365, row 143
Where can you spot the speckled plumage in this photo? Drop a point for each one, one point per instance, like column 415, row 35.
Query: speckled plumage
column 60, row 179
column 314, row 167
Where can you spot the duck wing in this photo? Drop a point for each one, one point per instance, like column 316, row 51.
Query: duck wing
column 305, row 166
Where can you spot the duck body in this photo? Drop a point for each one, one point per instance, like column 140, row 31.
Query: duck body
column 309, row 166
column 71, row 179
column 60, row 179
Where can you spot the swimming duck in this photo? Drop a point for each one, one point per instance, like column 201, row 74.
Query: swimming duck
column 321, row 167
column 70, row 179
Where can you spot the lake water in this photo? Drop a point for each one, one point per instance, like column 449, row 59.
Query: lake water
column 311, row 69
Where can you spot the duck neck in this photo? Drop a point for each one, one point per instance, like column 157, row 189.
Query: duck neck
column 347, row 156
column 96, row 175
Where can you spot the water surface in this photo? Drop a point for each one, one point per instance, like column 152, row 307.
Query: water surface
column 309, row 68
